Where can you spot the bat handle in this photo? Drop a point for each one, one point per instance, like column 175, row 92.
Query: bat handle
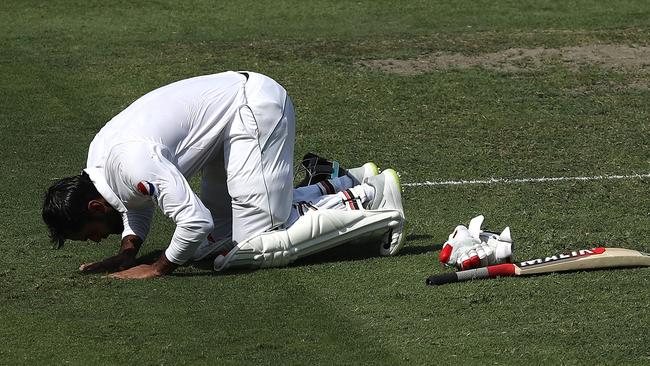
column 442, row 279
column 506, row 269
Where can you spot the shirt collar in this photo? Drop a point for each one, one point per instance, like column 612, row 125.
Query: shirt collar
column 97, row 177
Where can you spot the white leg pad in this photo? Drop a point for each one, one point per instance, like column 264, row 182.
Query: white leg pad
column 314, row 232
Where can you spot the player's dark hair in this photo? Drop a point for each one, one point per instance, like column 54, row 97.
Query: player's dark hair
column 65, row 208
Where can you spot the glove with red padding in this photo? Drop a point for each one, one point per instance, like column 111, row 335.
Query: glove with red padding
column 471, row 247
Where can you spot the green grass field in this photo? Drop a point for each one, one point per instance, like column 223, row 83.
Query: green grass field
column 67, row 67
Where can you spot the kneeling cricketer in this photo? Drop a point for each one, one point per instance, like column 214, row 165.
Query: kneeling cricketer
column 236, row 129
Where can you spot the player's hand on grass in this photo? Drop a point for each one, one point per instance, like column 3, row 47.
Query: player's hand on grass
column 140, row 272
column 125, row 259
column 144, row 271
column 115, row 263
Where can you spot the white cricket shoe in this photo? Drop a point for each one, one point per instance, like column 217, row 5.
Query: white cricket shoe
column 361, row 174
column 388, row 196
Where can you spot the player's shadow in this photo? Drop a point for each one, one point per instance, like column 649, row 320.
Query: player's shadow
column 348, row 252
column 150, row 257
column 363, row 249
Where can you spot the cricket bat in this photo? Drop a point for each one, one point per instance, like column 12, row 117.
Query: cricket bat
column 585, row 259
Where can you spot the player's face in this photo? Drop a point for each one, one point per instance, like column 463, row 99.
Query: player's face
column 100, row 227
column 94, row 230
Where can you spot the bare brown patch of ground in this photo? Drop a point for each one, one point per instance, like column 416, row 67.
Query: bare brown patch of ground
column 611, row 56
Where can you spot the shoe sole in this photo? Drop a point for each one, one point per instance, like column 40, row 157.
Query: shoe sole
column 397, row 197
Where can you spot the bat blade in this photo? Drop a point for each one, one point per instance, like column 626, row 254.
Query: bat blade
column 584, row 259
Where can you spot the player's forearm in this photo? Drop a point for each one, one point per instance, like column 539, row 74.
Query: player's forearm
column 131, row 245
column 137, row 222
column 187, row 238
column 164, row 266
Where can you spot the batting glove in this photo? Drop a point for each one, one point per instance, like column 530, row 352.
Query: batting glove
column 472, row 247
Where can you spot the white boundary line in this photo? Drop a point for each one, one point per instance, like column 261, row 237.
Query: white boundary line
column 524, row 180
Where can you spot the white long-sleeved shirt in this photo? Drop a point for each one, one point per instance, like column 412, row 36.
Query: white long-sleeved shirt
column 148, row 151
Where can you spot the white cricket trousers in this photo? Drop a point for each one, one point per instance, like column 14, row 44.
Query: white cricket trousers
column 248, row 185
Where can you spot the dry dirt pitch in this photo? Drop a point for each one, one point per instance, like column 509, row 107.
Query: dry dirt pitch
column 621, row 57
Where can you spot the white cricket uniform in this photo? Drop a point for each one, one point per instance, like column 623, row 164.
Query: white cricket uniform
column 237, row 128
